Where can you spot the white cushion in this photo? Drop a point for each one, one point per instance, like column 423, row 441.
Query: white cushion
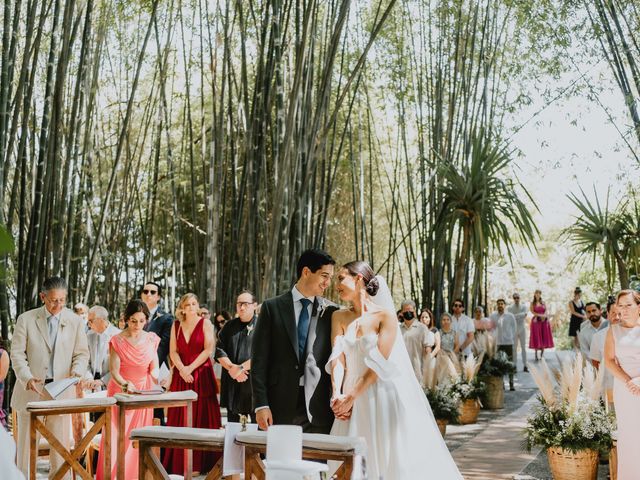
column 71, row 403
column 215, row 437
column 137, row 398
column 316, row 441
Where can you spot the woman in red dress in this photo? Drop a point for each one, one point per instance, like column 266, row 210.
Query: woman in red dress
column 540, row 335
column 190, row 348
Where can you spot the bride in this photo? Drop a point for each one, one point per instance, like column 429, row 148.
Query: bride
column 375, row 392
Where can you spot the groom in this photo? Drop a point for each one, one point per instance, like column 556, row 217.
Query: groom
column 291, row 345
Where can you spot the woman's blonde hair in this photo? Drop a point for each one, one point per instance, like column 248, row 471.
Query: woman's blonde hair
column 633, row 293
column 183, row 299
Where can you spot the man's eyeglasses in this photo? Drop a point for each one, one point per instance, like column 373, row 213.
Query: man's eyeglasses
column 56, row 301
column 149, row 292
column 516, row 298
column 243, row 304
column 457, row 305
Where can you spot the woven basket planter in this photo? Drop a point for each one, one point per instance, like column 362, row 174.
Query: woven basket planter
column 494, row 395
column 613, row 461
column 566, row 465
column 442, row 426
column 469, row 410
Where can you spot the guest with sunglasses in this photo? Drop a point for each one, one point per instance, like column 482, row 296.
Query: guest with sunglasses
column 160, row 323
column 464, row 328
column 519, row 311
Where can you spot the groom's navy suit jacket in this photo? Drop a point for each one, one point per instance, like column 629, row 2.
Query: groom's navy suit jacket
column 275, row 368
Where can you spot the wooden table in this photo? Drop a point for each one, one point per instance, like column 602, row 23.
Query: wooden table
column 135, row 402
column 176, row 437
column 315, row 446
column 100, row 406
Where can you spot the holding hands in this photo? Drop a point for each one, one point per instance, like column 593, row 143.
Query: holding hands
column 342, row 406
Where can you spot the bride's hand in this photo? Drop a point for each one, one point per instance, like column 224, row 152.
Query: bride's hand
column 342, row 406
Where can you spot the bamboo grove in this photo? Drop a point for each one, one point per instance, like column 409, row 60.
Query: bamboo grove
column 206, row 144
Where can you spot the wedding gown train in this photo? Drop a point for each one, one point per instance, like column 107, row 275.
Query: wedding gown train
column 393, row 415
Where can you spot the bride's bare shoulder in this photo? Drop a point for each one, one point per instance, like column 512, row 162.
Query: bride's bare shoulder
column 386, row 316
column 341, row 315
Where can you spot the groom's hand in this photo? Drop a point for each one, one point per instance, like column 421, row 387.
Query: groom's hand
column 264, row 418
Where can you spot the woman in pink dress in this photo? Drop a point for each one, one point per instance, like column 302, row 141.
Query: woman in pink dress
column 622, row 359
column 540, row 337
column 190, row 348
column 133, row 361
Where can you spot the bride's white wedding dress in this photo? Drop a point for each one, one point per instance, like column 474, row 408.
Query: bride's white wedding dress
column 393, row 415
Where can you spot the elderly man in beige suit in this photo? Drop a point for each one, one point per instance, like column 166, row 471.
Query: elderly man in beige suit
column 49, row 344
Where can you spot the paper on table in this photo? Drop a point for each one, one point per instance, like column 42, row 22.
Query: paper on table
column 105, row 378
column 54, row 389
column 163, row 373
column 233, row 459
column 155, row 390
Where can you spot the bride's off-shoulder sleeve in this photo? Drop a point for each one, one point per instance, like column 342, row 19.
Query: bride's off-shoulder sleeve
column 338, row 349
column 384, row 368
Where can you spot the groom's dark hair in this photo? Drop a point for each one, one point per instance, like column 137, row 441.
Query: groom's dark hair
column 313, row 259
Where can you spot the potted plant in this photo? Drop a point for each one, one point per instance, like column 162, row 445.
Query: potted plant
column 571, row 421
column 438, row 376
column 468, row 389
column 444, row 406
column 492, row 371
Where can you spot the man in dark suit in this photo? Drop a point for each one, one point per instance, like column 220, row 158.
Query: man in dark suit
column 291, row 345
column 159, row 321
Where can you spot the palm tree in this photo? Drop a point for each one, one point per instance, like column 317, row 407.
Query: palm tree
column 599, row 231
column 484, row 208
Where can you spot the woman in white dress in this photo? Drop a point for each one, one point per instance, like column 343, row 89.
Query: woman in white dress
column 375, row 392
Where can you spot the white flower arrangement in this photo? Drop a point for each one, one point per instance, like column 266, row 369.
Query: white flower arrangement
column 571, row 413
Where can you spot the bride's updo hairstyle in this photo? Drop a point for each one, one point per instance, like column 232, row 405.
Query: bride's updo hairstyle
column 368, row 276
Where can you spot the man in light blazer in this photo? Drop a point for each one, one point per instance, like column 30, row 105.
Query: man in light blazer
column 49, row 344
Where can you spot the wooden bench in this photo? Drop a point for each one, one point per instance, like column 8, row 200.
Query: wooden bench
column 315, row 446
column 163, row 400
column 176, row 437
column 100, row 406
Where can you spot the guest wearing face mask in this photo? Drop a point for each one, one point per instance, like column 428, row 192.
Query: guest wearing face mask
column 417, row 337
